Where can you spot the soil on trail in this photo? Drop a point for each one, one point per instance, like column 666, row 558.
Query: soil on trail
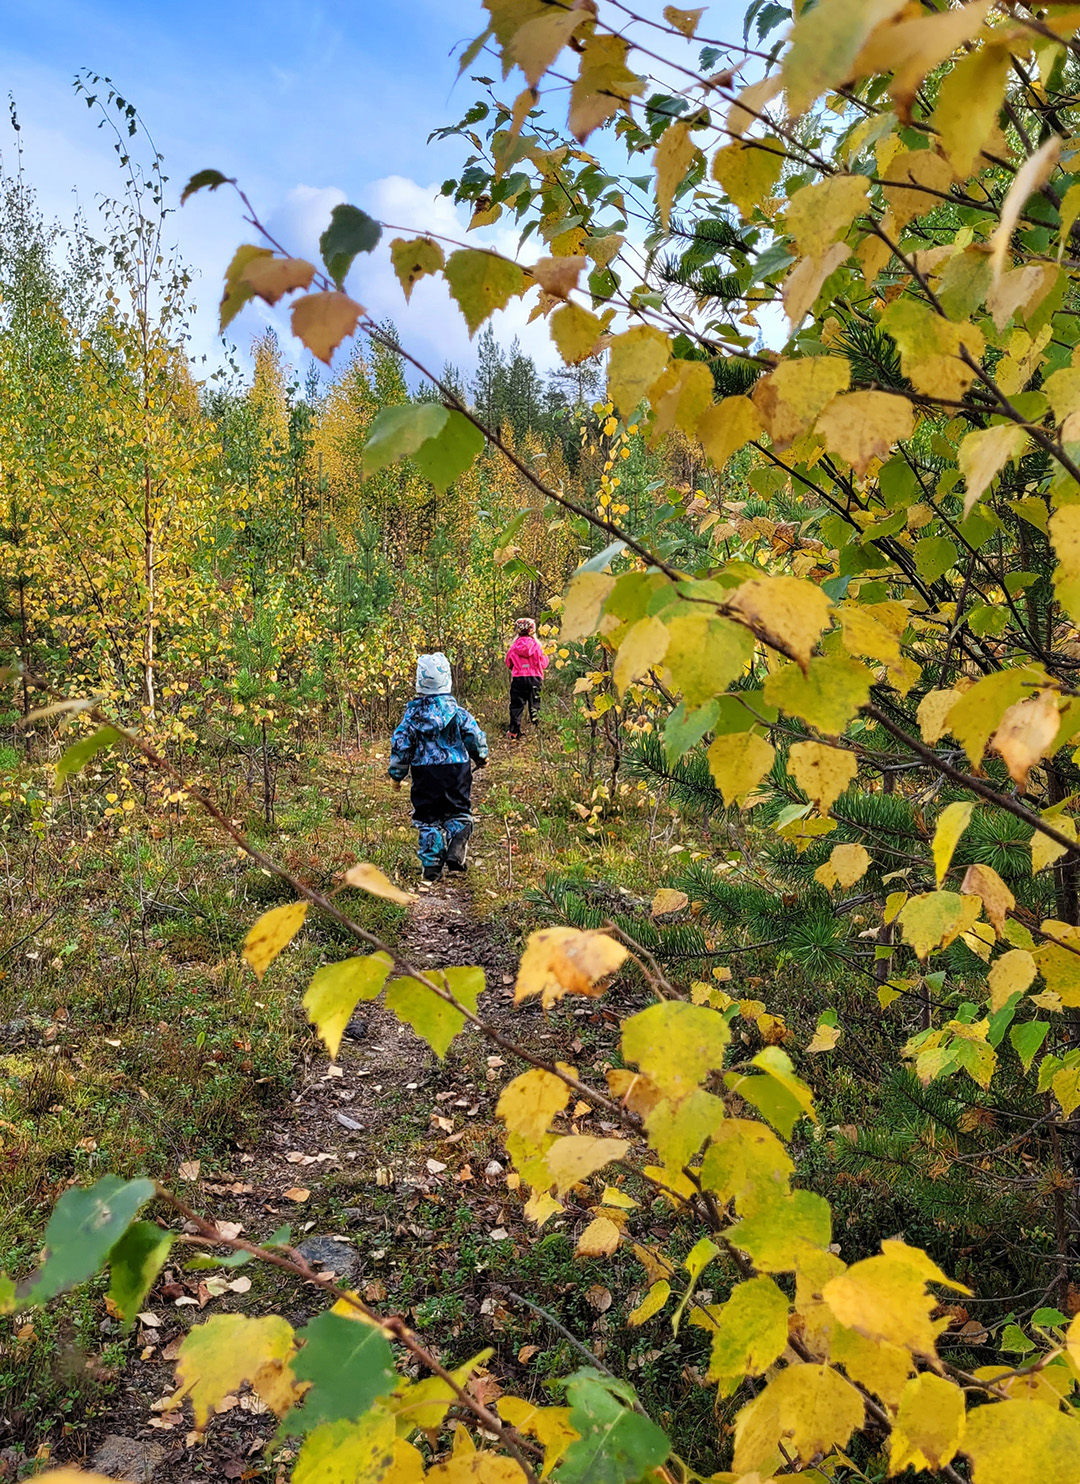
column 369, row 1163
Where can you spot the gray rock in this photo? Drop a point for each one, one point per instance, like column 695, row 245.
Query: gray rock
column 341, row 1258
column 128, row 1458
column 349, row 1123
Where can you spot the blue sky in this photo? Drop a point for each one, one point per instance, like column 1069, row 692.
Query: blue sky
column 307, row 104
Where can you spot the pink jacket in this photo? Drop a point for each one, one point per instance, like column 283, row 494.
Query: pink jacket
column 526, row 657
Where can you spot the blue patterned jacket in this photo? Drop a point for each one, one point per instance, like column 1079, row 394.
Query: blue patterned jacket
column 435, row 729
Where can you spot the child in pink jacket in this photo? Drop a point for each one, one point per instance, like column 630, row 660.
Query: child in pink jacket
column 526, row 662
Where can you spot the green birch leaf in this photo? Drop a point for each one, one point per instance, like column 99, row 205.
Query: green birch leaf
column 85, row 1225
column 399, row 431
column 351, row 231
column 450, row 453
column 432, row 1018
column 349, row 1364
column 134, row 1264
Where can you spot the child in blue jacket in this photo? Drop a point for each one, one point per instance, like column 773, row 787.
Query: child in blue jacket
column 440, row 742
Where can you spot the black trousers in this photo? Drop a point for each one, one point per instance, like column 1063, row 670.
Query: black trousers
column 524, row 691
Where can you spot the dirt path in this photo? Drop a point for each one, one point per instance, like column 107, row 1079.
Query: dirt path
column 364, row 1160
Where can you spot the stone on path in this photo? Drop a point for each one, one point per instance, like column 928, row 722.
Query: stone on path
column 341, row 1258
column 127, row 1458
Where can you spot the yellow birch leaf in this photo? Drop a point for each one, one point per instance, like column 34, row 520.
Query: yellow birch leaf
column 727, row 426
column 238, row 291
column 651, row 1304
column 738, row 763
column 1058, row 963
column 746, row 1163
column 748, row 172
column 415, row 258
column 271, row 278
column 985, row 883
column 550, row 1426
column 638, row 359
column 704, row 655
column 1033, row 173
column 863, row 426
column 1013, row 973
column 676, row 1045
column 916, row 180
column 793, row 396
column 558, row 276
column 684, row 21
column 1020, row 290
column 507, row 17
column 805, row 281
column 599, row 1239
column 933, row 714
column 780, row 1235
column 539, row 41
column 882, row 1369
column 748, row 1333
column 912, row 48
column 272, row 932
column 1014, row 1442
column 604, row 84
column 1072, row 1341
column 217, row 1357
column 929, row 1425
column 968, row 103
column 823, row 773
column 677, row 1127
column 825, row 1037
column 1044, row 851
column 575, row 332
column 337, row 989
column 643, row 648
column 563, row 960
column 983, row 454
column 873, row 254
column 806, row 1410
column 481, row 282
column 323, row 321
column 73, row 1476
column 1063, row 390
column 786, row 612
column 818, row 214
column 476, row 1468
column 1026, row 734
column 873, row 629
column 667, row 900
column 528, row 1104
column 749, row 107
column 575, row 1157
column 826, row 697
column 952, row 822
column 825, row 43
column 976, row 716
column 674, row 155
column 360, row 1452
column 846, row 865
column 884, row 1298
column 370, row 879
column 930, row 348
column 584, row 599
column 1065, row 536
column 681, row 396
column 934, row 920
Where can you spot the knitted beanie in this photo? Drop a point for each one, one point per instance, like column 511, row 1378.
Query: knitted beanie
column 433, row 675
